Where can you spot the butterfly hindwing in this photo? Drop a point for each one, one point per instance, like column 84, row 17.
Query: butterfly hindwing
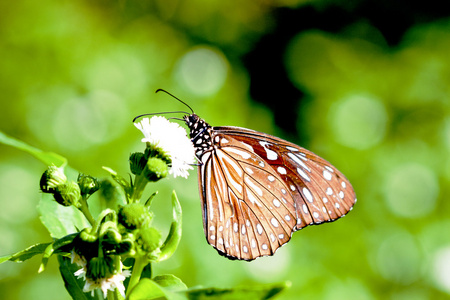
column 248, row 211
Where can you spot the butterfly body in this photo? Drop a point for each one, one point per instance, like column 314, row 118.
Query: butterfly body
column 257, row 189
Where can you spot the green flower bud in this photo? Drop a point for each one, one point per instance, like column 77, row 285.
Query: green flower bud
column 134, row 215
column 52, row 178
column 68, row 194
column 156, row 169
column 137, row 163
column 88, row 184
column 149, row 239
column 114, row 243
column 103, row 267
column 86, row 244
column 155, row 151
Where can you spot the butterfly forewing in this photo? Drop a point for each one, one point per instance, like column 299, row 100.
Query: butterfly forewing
column 321, row 193
column 257, row 189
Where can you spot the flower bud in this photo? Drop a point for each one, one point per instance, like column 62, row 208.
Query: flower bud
column 137, row 163
column 149, row 239
column 155, row 169
column 88, row 184
column 52, row 178
column 68, row 194
column 158, row 152
column 134, row 215
column 103, row 267
column 86, row 244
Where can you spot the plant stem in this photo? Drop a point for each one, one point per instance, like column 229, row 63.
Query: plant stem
column 85, row 210
column 138, row 189
column 138, row 267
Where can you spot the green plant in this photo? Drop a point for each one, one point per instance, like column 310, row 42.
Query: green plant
column 109, row 255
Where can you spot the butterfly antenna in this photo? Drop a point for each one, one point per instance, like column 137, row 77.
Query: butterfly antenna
column 160, row 113
column 161, row 90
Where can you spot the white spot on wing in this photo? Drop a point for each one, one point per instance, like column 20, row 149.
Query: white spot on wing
column 326, row 175
column 272, row 237
column 271, row 155
column 296, row 159
column 281, row 170
column 305, row 208
column 329, row 169
column 307, row 194
column 303, row 174
column 259, row 228
column 276, row 202
column 274, row 222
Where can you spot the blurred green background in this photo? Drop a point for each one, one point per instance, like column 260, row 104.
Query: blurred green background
column 365, row 84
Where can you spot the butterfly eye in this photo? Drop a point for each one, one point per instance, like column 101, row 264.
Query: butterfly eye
column 258, row 189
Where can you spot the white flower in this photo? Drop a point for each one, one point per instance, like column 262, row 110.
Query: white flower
column 172, row 138
column 75, row 258
column 105, row 284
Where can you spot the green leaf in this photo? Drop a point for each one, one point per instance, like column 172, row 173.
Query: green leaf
column 174, row 236
column 248, row 293
column 148, row 289
column 126, row 186
column 60, row 220
column 170, row 282
column 73, row 285
column 25, row 254
column 47, row 158
column 55, row 247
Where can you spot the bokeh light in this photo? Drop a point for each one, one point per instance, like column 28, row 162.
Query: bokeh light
column 358, row 121
column 202, row 71
column 441, row 268
column 411, row 190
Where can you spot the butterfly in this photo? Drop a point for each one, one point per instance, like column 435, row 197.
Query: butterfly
column 257, row 189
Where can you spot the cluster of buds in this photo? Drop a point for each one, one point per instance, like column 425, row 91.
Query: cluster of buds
column 98, row 253
column 127, row 232
column 67, row 192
